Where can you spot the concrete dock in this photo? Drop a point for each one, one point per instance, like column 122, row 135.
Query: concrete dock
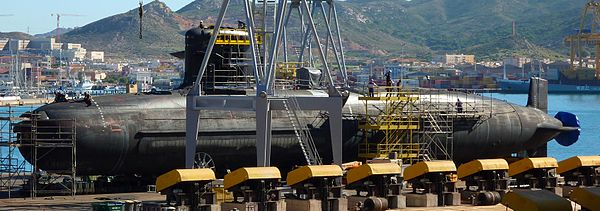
column 84, row 202
column 23, row 102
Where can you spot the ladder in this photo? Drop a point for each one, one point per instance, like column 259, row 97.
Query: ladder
column 302, row 132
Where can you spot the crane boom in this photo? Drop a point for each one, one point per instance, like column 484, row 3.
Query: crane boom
column 58, row 15
column 590, row 17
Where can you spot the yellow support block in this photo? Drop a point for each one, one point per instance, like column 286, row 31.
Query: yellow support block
column 476, row 166
column 308, row 172
column 588, row 198
column 576, row 162
column 527, row 164
column 367, row 170
column 251, row 173
column 424, row 167
column 535, row 200
column 183, row 175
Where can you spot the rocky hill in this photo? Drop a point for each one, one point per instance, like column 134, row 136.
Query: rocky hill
column 15, row 35
column 118, row 34
column 371, row 28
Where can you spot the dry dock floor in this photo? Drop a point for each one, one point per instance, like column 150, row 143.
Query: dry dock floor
column 84, row 202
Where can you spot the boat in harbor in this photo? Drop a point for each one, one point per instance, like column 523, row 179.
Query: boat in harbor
column 554, row 86
column 561, row 77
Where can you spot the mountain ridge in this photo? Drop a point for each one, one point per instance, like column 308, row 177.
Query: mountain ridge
column 370, row 28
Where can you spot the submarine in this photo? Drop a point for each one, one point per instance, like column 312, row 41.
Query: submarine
column 144, row 134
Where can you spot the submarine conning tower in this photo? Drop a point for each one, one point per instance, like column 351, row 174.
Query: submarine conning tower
column 228, row 62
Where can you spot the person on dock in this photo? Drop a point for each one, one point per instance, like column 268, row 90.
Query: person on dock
column 371, row 87
column 87, row 99
column 459, row 106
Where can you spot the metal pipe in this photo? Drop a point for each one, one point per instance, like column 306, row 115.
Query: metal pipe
column 330, row 38
column 274, row 45
column 337, row 26
column 192, row 115
column 211, row 45
column 250, row 21
column 332, row 90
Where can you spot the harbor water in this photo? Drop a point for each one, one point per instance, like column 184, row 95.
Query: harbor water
column 585, row 106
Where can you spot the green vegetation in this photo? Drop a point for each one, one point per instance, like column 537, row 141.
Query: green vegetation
column 121, row 80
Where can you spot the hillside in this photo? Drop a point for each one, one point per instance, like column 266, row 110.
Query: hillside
column 15, row 35
column 510, row 46
column 371, row 28
column 53, row 33
column 452, row 26
column 118, row 34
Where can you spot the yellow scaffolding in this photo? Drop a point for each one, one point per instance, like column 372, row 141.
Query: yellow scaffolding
column 397, row 117
column 287, row 70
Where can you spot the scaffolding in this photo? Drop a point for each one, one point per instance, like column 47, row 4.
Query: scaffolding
column 14, row 170
column 390, row 127
column 36, row 138
column 52, row 136
column 417, row 124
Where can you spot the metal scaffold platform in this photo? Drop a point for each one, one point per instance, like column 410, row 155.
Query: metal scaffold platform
column 13, row 170
column 19, row 178
column 417, row 124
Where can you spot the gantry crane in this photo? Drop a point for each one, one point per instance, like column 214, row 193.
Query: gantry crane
column 584, row 37
column 58, row 15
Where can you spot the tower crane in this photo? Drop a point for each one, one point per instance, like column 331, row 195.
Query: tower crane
column 590, row 17
column 58, row 15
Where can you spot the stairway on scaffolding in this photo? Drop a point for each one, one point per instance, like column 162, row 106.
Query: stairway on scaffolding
column 389, row 129
column 301, row 130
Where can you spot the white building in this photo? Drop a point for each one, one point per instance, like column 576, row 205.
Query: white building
column 4, row 43
column 517, row 61
column 96, row 56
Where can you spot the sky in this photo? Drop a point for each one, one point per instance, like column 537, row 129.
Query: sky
column 35, row 15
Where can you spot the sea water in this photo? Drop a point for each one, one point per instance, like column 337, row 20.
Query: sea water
column 13, row 111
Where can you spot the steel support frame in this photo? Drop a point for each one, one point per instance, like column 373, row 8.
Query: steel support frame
column 263, row 103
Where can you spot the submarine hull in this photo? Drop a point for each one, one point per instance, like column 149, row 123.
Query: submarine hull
column 144, row 134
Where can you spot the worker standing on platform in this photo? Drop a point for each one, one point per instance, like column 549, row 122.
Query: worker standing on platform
column 388, row 83
column 371, row 87
column 399, row 86
column 459, row 107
